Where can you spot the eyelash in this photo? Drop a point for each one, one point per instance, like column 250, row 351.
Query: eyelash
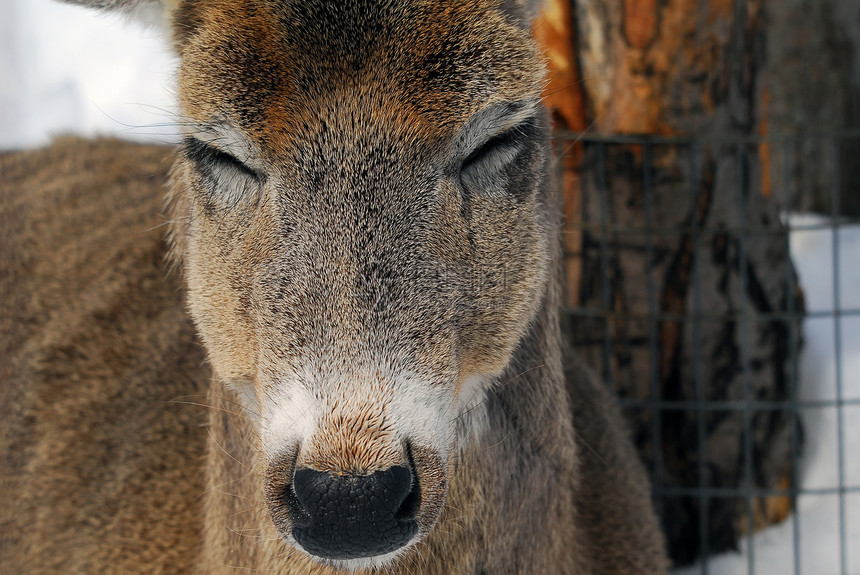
column 490, row 158
column 498, row 142
column 208, row 157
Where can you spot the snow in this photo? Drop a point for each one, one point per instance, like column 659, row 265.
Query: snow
column 818, row 521
column 66, row 70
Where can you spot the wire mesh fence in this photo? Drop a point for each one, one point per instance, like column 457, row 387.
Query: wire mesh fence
column 683, row 295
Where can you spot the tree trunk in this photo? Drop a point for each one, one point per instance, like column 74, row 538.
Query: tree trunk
column 678, row 268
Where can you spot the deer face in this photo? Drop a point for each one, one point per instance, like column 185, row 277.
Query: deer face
column 359, row 210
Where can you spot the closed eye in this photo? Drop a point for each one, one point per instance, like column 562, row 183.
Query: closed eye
column 494, row 155
column 210, row 159
column 504, row 145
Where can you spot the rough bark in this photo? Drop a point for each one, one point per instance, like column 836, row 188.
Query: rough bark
column 564, row 96
column 691, row 249
column 812, row 84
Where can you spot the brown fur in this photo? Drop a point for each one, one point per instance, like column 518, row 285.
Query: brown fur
column 96, row 351
column 339, row 259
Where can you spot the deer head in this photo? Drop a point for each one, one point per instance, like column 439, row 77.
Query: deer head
column 360, row 211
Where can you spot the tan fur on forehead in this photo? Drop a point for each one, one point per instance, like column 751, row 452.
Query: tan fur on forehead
column 270, row 66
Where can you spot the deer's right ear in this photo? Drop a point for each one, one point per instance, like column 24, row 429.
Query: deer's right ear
column 152, row 13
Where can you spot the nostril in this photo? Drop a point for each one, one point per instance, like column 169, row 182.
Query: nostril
column 298, row 511
column 306, row 497
column 350, row 516
column 409, row 503
column 392, row 487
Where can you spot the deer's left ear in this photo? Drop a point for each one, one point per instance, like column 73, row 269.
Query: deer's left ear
column 149, row 12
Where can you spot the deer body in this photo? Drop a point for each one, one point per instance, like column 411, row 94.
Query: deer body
column 363, row 220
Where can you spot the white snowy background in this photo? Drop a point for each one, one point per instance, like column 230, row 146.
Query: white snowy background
column 66, row 70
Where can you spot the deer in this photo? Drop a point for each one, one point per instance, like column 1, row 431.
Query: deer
column 345, row 354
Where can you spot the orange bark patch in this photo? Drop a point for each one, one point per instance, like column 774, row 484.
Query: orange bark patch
column 657, row 48
column 764, row 148
column 768, row 511
column 554, row 31
column 640, row 22
column 721, row 10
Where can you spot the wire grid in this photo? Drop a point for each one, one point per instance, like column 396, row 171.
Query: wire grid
column 610, row 234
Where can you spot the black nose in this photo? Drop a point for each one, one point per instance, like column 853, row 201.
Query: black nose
column 353, row 516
